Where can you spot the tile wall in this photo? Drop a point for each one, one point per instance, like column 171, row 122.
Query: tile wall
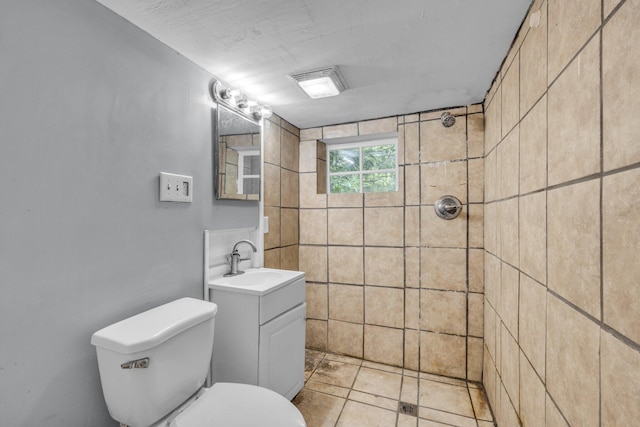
column 562, row 194
column 388, row 281
column 281, row 142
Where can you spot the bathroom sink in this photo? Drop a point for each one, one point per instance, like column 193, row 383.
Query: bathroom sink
column 257, row 280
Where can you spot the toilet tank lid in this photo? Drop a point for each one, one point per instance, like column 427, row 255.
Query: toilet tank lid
column 152, row 327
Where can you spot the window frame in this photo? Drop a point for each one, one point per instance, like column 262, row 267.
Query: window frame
column 241, row 176
column 361, row 145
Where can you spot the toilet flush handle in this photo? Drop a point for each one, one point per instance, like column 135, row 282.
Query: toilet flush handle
column 134, row 364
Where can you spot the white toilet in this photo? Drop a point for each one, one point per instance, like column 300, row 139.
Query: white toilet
column 153, row 367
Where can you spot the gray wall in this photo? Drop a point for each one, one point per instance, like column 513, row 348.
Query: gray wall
column 91, row 110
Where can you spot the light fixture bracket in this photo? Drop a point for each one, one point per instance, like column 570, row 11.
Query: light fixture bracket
column 235, row 100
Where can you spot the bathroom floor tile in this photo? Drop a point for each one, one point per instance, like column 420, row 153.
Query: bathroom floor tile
column 342, row 391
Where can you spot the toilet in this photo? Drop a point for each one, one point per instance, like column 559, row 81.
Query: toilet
column 153, row 367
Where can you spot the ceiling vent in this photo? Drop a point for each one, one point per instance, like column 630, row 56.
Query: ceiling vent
column 320, row 83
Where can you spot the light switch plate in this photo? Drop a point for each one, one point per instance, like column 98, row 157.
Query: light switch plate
column 176, row 188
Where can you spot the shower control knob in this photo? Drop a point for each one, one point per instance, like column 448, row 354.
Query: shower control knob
column 448, row 207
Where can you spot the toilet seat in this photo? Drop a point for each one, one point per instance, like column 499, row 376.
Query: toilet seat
column 239, row 405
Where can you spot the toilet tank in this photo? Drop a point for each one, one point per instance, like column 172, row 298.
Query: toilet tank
column 152, row 362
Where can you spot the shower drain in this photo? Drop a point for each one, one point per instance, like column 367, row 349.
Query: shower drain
column 408, row 408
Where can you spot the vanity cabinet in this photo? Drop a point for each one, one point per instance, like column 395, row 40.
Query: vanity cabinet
column 259, row 335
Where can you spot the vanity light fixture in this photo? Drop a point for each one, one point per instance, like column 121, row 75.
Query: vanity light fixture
column 320, row 83
column 238, row 102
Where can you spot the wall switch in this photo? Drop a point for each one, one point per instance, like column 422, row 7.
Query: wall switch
column 176, row 188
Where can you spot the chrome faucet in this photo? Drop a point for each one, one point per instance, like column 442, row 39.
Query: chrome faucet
column 234, row 258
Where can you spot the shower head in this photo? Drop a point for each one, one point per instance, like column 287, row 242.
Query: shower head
column 447, row 119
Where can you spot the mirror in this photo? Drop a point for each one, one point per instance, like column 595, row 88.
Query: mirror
column 237, row 161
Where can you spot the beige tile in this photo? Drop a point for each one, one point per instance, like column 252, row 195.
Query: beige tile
column 384, row 306
column 476, row 270
column 489, row 378
column 346, row 265
column 319, row 409
column 443, row 354
column 533, row 148
column 621, row 95
column 272, row 143
column 345, row 226
column 434, row 418
column 476, row 314
column 438, row 143
column 327, row 388
column 574, row 117
column 373, row 400
column 389, row 124
column 620, row 382
column 511, row 96
column 492, row 121
column 349, row 129
column 308, row 156
column 271, row 185
column 510, row 365
column 335, row 373
column 621, row 240
column 310, row 133
column 384, row 267
column 411, row 349
column 407, row 421
column 445, row 397
column 443, row 379
column 508, row 164
column 309, row 197
column 442, row 178
column 313, row 261
column 345, row 338
column 289, row 151
column 532, row 327
column 412, row 226
column 438, row 232
column 491, row 190
column 476, row 180
column 533, row 236
column 553, row 417
column 573, row 239
column 412, row 267
column 346, row 200
column 609, row 5
column 444, row 268
column 272, row 258
column 533, row 395
column 508, row 239
column 490, row 229
column 489, row 332
column 508, row 306
column 291, row 128
column 573, row 363
column 409, row 392
column 321, row 184
column 474, row 359
column 378, row 382
column 272, row 238
column 289, row 189
column 343, row 359
column 384, row 226
column 412, row 143
column 533, row 63
column 507, row 413
column 569, row 31
column 346, row 303
column 317, row 301
column 356, row 413
column 313, row 226
column 312, row 359
column 480, row 404
column 382, row 367
column 475, row 135
column 412, row 184
column 443, row 311
column 290, row 258
column 289, row 227
column 492, row 277
column 316, row 334
column 476, row 225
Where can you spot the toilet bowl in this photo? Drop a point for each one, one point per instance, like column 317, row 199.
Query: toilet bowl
column 153, row 367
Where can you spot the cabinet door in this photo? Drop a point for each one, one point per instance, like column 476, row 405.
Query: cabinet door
column 281, row 364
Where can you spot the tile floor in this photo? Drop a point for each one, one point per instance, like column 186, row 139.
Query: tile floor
column 342, row 391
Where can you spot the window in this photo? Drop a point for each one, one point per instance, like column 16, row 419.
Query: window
column 363, row 167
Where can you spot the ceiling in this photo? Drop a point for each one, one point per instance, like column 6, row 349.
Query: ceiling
column 397, row 57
